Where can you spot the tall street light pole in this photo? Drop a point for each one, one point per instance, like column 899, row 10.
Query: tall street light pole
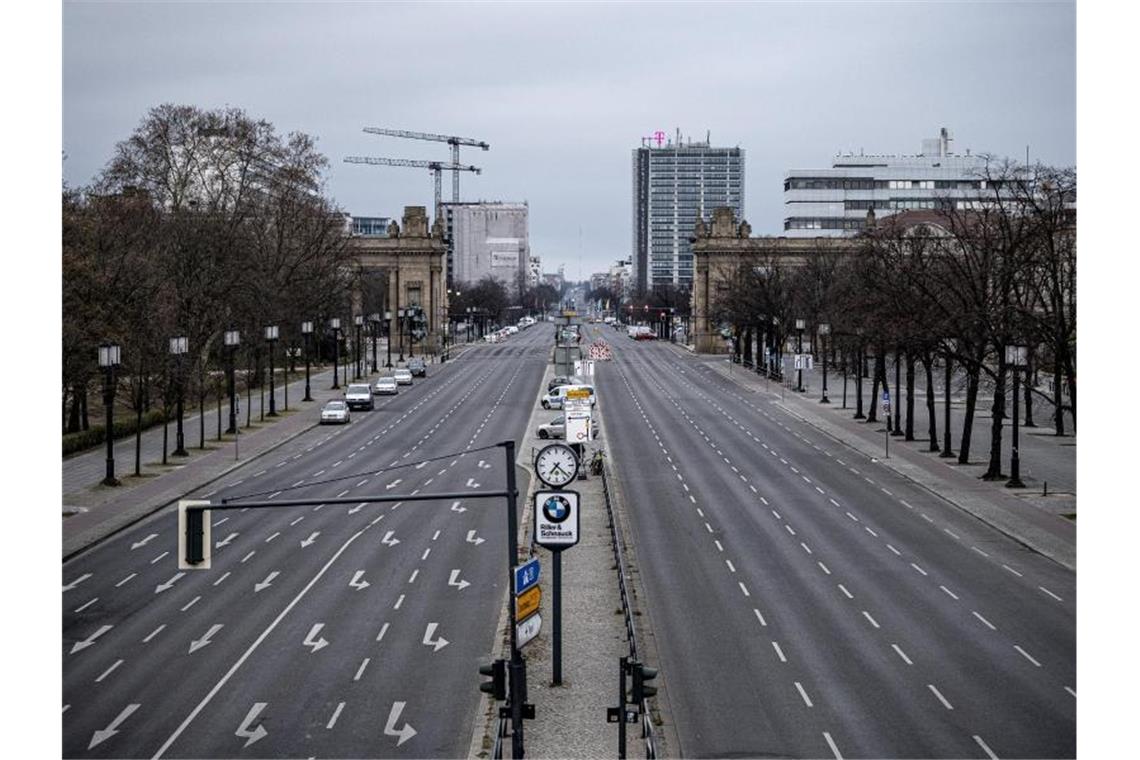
column 800, row 324
column 1015, row 357
column 271, row 334
column 400, row 315
column 359, row 320
column 824, row 330
column 388, row 335
column 374, row 322
column 178, row 348
column 898, row 396
column 334, row 323
column 109, row 356
column 232, row 339
column 307, row 331
column 946, row 453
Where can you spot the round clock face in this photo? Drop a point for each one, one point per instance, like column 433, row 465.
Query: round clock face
column 556, row 465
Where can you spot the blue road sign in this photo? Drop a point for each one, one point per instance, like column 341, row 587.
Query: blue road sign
column 526, row 576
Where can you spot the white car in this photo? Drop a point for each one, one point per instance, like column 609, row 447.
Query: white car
column 335, row 412
column 556, row 428
column 359, row 396
column 512, row 329
column 554, row 399
column 403, row 376
column 385, row 386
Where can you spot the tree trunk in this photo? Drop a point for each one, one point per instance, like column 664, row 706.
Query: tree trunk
column 1071, row 377
column 73, row 417
column 138, row 421
column 1029, row 373
column 931, row 416
column 1058, row 399
column 909, row 424
column 972, row 372
column 993, row 471
column 880, row 375
column 859, row 388
column 747, row 346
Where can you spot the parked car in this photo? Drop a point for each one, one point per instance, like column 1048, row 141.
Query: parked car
column 417, row 366
column 512, row 329
column 403, row 376
column 359, row 396
column 554, row 399
column 556, row 428
column 385, row 386
column 335, row 412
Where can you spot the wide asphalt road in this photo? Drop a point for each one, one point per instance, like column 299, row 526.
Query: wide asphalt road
column 346, row 630
column 808, row 602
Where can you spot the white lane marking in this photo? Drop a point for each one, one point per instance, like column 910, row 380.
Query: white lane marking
column 154, row 633
column 1071, row 692
column 805, row 546
column 950, row 593
column 318, row 474
column 156, row 559
column 760, row 617
column 1050, row 593
column 928, row 518
column 989, row 752
column 744, row 589
column 427, row 551
column 950, row 533
column 896, row 551
column 853, row 517
column 988, row 624
column 191, row 603
column 941, row 698
column 888, row 493
column 125, row 580
column 299, row 519
column 870, row 619
column 834, row 749
column 219, row 580
column 779, row 652
column 107, row 672
column 415, row 572
column 979, row 551
column 823, row 567
column 800, row 688
column 908, row 506
column 845, row 591
column 833, row 501
column 1026, row 655
column 383, row 630
column 335, row 715
column 399, row 601
column 819, row 489
column 275, row 535
column 708, row 528
column 919, row 569
column 243, row 559
column 252, row 648
column 718, row 546
column 873, row 533
column 790, row 529
column 901, row 654
column 360, row 670
column 730, row 565
column 1007, row 567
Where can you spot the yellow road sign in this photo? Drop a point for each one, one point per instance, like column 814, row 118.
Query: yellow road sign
column 526, row 603
column 577, row 393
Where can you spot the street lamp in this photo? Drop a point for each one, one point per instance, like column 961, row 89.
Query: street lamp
column 334, row 323
column 359, row 320
column 400, row 313
column 108, row 360
column 271, row 334
column 179, row 347
column 859, row 375
column 468, row 324
column 951, row 347
column 800, row 324
column 232, row 340
column 374, row 321
column 307, row 331
column 824, row 330
column 1015, row 356
column 388, row 335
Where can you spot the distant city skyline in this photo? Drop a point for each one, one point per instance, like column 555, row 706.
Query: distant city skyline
column 793, row 84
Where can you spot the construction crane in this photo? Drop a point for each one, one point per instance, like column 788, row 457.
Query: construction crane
column 451, row 140
column 436, row 167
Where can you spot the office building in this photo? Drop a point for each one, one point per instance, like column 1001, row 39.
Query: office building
column 834, row 202
column 676, row 183
column 487, row 238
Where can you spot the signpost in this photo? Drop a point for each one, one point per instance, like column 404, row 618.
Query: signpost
column 556, row 528
column 528, row 629
column 886, row 434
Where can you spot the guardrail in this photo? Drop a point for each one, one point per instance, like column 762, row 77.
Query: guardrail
column 627, row 608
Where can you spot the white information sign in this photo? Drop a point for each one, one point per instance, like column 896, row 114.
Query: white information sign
column 556, row 519
column 578, row 425
column 528, row 629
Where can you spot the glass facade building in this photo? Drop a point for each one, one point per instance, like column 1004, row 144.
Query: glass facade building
column 674, row 185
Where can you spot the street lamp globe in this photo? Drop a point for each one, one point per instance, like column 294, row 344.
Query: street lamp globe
column 109, row 355
column 306, row 328
column 232, row 338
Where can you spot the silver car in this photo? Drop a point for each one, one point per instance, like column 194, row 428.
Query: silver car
column 556, row 428
column 403, row 376
column 385, row 386
column 335, row 412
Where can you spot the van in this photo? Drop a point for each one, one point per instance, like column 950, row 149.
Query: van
column 554, row 399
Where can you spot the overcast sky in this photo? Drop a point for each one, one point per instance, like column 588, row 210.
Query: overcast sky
column 563, row 92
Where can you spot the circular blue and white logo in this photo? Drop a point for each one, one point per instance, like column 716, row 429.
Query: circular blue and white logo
column 556, row 509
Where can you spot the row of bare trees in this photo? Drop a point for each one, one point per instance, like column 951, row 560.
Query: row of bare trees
column 958, row 284
column 202, row 221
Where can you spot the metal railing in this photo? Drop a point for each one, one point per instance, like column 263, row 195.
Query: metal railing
column 627, row 608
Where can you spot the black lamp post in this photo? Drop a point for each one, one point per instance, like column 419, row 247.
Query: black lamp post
column 859, row 375
column 468, row 324
column 388, row 335
column 178, row 348
column 109, row 359
column 307, row 331
column 400, row 314
column 800, row 324
column 946, row 453
column 1015, row 357
column 897, row 431
column 359, row 320
column 232, row 340
column 824, row 330
column 374, row 323
column 334, row 323
column 271, row 334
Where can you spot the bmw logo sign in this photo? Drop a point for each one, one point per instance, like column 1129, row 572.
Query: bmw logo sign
column 556, row 509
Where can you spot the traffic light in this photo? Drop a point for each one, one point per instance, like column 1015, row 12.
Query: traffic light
column 642, row 686
column 497, row 686
column 193, row 535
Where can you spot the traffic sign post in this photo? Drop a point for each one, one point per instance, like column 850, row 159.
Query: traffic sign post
column 556, row 528
column 886, row 430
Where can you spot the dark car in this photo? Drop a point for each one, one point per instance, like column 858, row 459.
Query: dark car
column 562, row 380
column 417, row 366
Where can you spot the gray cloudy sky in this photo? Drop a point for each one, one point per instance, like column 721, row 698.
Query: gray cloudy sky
column 563, row 92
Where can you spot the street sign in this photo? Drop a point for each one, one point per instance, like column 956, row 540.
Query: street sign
column 556, row 519
column 886, row 401
column 578, row 425
column 526, row 575
column 527, row 603
column 528, row 629
column 583, row 393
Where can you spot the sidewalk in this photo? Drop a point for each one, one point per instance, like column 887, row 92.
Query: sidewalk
column 1030, row 518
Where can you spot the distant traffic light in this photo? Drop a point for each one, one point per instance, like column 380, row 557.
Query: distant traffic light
column 642, row 683
column 497, row 686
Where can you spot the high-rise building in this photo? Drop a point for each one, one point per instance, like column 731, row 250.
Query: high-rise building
column 834, row 202
column 487, row 238
column 674, row 185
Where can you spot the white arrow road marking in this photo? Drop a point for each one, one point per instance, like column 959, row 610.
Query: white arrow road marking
column 144, row 542
column 358, row 581
column 453, row 582
column 77, row 581
column 265, row 583
column 456, row 508
column 439, row 643
column 405, row 733
column 393, row 484
column 197, row 644
column 104, row 734
column 258, row 732
column 312, row 537
column 357, row 508
column 471, row 483
column 81, row 645
column 318, row 644
column 388, row 540
column 164, row 586
column 472, row 539
column 226, row 541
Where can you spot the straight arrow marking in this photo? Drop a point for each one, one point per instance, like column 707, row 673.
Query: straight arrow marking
column 104, row 734
column 265, row 583
column 164, row 586
column 312, row 537
column 81, row 645
column 77, row 581
column 144, row 542
column 259, row 732
column 197, row 644
column 226, row 541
